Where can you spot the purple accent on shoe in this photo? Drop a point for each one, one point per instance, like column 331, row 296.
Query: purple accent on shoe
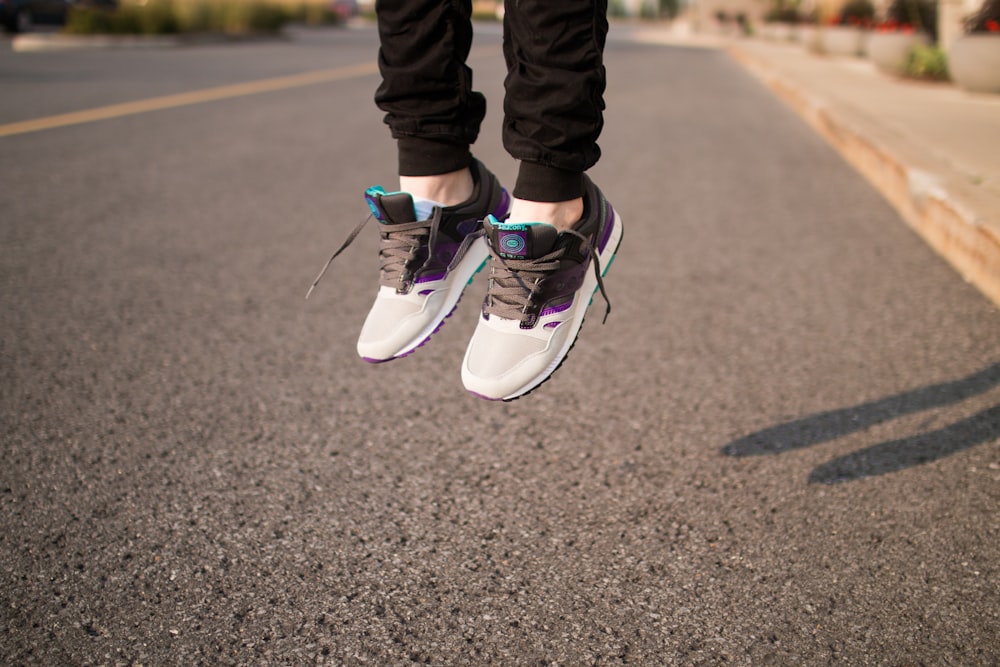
column 551, row 325
column 485, row 398
column 556, row 309
column 565, row 283
column 466, row 227
column 425, row 292
column 503, row 207
column 560, row 287
column 608, row 226
column 436, row 267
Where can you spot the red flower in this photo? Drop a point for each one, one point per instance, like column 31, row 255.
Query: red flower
column 993, row 25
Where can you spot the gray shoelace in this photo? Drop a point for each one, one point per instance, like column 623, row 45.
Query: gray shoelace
column 397, row 249
column 514, row 282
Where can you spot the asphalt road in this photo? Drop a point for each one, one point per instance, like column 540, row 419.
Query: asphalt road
column 782, row 448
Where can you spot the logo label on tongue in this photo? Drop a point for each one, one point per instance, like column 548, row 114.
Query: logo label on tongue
column 513, row 243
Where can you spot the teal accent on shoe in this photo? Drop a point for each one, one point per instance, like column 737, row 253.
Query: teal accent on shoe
column 370, row 195
column 607, row 266
column 476, row 272
column 511, row 226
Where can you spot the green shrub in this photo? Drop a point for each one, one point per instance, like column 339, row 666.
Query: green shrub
column 158, row 18
column 87, row 21
column 927, row 62
column 783, row 11
column 165, row 17
column 616, row 9
column 315, row 14
column 249, row 17
column 782, row 15
column 199, row 17
column 126, row 21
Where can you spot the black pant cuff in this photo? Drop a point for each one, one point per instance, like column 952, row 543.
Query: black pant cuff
column 424, row 157
column 538, row 182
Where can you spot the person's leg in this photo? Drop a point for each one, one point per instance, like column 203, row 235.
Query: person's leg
column 549, row 256
column 554, row 103
column 426, row 93
column 431, row 243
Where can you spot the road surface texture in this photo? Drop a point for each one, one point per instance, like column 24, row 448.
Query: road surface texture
column 782, row 448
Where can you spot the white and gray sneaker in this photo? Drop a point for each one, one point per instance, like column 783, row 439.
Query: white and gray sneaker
column 425, row 264
column 541, row 283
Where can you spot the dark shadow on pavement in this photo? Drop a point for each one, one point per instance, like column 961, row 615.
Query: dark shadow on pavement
column 889, row 456
column 825, row 426
column 899, row 454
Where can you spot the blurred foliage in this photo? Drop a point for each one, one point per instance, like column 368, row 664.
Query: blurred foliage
column 170, row 17
column 316, row 14
column 920, row 15
column 855, row 13
column 670, row 8
column 784, row 11
column 987, row 19
column 740, row 19
column 657, row 9
column 782, row 15
column 154, row 19
column 927, row 62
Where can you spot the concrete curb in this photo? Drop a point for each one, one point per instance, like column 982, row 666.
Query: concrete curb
column 38, row 42
column 33, row 42
column 951, row 227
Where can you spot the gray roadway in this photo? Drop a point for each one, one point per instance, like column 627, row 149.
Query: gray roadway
column 782, row 448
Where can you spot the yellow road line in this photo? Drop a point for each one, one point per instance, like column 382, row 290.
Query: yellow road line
column 186, row 99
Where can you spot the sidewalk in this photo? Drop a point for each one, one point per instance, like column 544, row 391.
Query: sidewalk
column 931, row 149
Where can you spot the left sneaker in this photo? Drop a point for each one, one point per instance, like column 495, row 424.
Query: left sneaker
column 426, row 264
column 541, row 284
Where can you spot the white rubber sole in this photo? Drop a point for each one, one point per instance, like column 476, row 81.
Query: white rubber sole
column 463, row 275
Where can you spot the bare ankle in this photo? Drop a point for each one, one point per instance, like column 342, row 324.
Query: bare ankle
column 449, row 189
column 562, row 215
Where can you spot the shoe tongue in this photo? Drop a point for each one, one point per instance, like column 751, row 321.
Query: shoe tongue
column 521, row 240
column 392, row 208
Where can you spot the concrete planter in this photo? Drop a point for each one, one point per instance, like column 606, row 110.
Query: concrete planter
column 889, row 50
column 842, row 40
column 974, row 62
column 807, row 35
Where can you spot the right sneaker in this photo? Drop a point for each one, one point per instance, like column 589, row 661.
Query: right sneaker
column 425, row 264
column 542, row 281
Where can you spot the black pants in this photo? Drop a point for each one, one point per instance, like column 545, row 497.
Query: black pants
column 554, row 102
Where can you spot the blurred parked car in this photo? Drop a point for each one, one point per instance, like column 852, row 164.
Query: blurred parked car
column 23, row 15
